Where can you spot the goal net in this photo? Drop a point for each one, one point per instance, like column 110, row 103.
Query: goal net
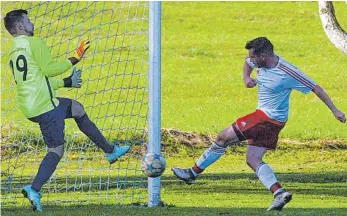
column 114, row 94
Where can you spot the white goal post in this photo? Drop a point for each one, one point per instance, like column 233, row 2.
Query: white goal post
column 154, row 134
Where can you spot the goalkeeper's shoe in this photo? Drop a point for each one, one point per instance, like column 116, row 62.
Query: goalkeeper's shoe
column 184, row 174
column 280, row 201
column 33, row 196
column 118, row 152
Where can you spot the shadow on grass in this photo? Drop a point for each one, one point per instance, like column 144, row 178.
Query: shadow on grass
column 162, row 211
column 331, row 183
column 326, row 177
column 75, row 183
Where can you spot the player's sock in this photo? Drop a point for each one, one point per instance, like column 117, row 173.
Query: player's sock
column 196, row 170
column 267, row 177
column 47, row 168
column 210, row 156
column 276, row 188
column 91, row 131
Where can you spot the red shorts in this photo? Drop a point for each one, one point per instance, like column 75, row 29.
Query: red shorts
column 258, row 129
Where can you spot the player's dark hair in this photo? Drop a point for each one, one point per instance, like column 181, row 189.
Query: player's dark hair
column 12, row 18
column 260, row 45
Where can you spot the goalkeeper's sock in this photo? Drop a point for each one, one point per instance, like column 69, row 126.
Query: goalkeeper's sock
column 47, row 168
column 211, row 155
column 268, row 178
column 91, row 131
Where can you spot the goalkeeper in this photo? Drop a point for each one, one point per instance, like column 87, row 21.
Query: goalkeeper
column 34, row 72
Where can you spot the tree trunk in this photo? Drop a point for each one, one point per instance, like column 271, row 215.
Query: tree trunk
column 331, row 26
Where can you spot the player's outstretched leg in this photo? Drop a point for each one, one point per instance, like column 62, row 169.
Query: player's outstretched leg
column 33, row 196
column 211, row 155
column 113, row 152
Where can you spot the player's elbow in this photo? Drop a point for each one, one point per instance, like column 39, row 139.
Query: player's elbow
column 317, row 90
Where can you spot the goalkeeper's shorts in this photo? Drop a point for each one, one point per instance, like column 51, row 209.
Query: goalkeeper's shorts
column 258, row 129
column 52, row 123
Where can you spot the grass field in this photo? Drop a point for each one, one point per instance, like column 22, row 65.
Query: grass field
column 202, row 59
column 203, row 54
column 316, row 176
column 202, row 91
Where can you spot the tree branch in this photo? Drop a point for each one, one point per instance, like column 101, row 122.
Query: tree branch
column 331, row 26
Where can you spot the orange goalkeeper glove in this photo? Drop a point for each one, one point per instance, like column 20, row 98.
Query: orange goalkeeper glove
column 82, row 48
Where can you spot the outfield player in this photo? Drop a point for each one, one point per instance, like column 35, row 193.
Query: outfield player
column 34, row 71
column 276, row 78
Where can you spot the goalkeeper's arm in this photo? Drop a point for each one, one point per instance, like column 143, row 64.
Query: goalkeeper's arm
column 44, row 59
column 72, row 81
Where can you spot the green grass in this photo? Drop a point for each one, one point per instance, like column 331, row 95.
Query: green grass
column 203, row 54
column 202, row 90
column 202, row 59
column 316, row 177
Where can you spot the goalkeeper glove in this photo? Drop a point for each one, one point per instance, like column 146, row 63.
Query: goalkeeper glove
column 82, row 48
column 74, row 80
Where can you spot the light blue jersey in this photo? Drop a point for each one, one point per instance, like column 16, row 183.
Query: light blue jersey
column 275, row 85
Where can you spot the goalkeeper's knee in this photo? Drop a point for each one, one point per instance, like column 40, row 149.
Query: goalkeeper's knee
column 59, row 150
column 77, row 110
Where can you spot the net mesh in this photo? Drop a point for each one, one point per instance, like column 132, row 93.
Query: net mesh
column 114, row 94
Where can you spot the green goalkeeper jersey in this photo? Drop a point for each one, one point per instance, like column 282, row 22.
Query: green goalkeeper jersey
column 33, row 69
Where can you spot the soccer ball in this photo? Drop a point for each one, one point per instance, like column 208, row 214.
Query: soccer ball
column 153, row 165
